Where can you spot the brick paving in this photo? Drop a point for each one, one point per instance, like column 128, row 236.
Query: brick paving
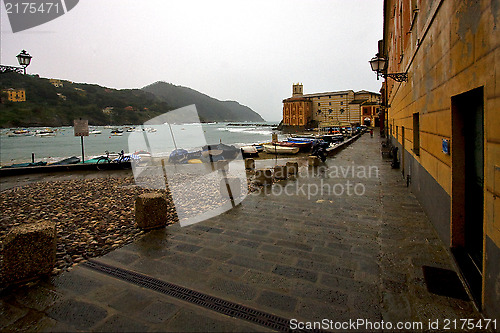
column 308, row 257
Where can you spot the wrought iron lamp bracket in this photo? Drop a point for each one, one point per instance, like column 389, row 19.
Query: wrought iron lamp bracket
column 399, row 77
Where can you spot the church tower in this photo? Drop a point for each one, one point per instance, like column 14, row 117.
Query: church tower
column 297, row 90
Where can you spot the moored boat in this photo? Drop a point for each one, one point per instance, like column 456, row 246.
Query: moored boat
column 22, row 132
column 219, row 152
column 277, row 149
column 66, row 161
column 302, row 145
column 332, row 138
column 116, row 132
column 45, row 132
column 259, row 147
column 249, row 151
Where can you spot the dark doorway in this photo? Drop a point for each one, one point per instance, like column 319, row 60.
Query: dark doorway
column 468, row 186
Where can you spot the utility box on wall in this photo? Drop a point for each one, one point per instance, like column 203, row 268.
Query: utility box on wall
column 446, row 146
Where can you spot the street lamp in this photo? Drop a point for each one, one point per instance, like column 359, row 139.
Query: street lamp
column 379, row 66
column 24, row 60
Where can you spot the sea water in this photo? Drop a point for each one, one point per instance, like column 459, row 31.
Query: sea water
column 186, row 136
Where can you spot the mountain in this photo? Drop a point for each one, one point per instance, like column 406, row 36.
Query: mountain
column 209, row 109
column 59, row 102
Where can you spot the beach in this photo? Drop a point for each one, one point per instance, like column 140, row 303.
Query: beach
column 92, row 216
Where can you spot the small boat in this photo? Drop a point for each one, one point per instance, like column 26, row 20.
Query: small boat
column 116, row 132
column 45, row 132
column 219, row 152
column 24, row 165
column 23, row 132
column 249, row 151
column 259, row 147
column 332, row 138
column 302, row 145
column 178, row 156
column 66, row 161
column 142, row 153
column 95, row 132
column 277, row 149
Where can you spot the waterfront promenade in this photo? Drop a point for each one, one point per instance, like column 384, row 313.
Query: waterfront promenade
column 302, row 251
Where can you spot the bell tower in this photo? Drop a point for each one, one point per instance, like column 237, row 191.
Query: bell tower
column 297, row 90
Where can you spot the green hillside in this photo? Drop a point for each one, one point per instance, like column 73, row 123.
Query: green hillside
column 48, row 105
column 209, row 109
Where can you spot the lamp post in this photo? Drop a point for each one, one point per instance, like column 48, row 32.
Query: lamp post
column 379, row 66
column 24, row 59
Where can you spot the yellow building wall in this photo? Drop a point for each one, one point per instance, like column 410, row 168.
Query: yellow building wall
column 452, row 48
column 334, row 108
column 16, row 95
column 296, row 113
column 449, row 62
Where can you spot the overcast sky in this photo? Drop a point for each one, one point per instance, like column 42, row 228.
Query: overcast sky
column 248, row 51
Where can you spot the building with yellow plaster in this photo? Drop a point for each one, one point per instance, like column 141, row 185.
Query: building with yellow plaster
column 338, row 108
column 56, row 83
column 15, row 95
column 446, row 124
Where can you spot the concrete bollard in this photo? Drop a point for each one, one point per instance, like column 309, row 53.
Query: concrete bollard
column 280, row 172
column 313, row 161
column 264, row 176
column 151, row 211
column 250, row 164
column 28, row 251
column 292, row 168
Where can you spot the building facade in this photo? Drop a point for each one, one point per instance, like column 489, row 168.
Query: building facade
column 297, row 109
column 15, row 95
column 56, row 83
column 446, row 123
column 338, row 108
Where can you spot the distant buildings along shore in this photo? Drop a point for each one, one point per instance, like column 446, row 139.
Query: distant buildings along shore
column 328, row 109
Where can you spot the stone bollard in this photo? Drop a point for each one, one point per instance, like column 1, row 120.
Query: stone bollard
column 280, row 172
column 292, row 168
column 151, row 211
column 250, row 164
column 313, row 161
column 264, row 176
column 28, row 251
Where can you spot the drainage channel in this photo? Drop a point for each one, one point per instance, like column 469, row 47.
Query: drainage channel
column 210, row 302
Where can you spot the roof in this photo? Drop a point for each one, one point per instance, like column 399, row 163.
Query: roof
column 366, row 92
column 296, row 99
column 358, row 101
column 343, row 92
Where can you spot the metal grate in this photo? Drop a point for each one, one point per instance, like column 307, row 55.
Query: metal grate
column 210, row 302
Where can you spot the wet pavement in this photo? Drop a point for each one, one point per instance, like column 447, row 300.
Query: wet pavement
column 345, row 241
